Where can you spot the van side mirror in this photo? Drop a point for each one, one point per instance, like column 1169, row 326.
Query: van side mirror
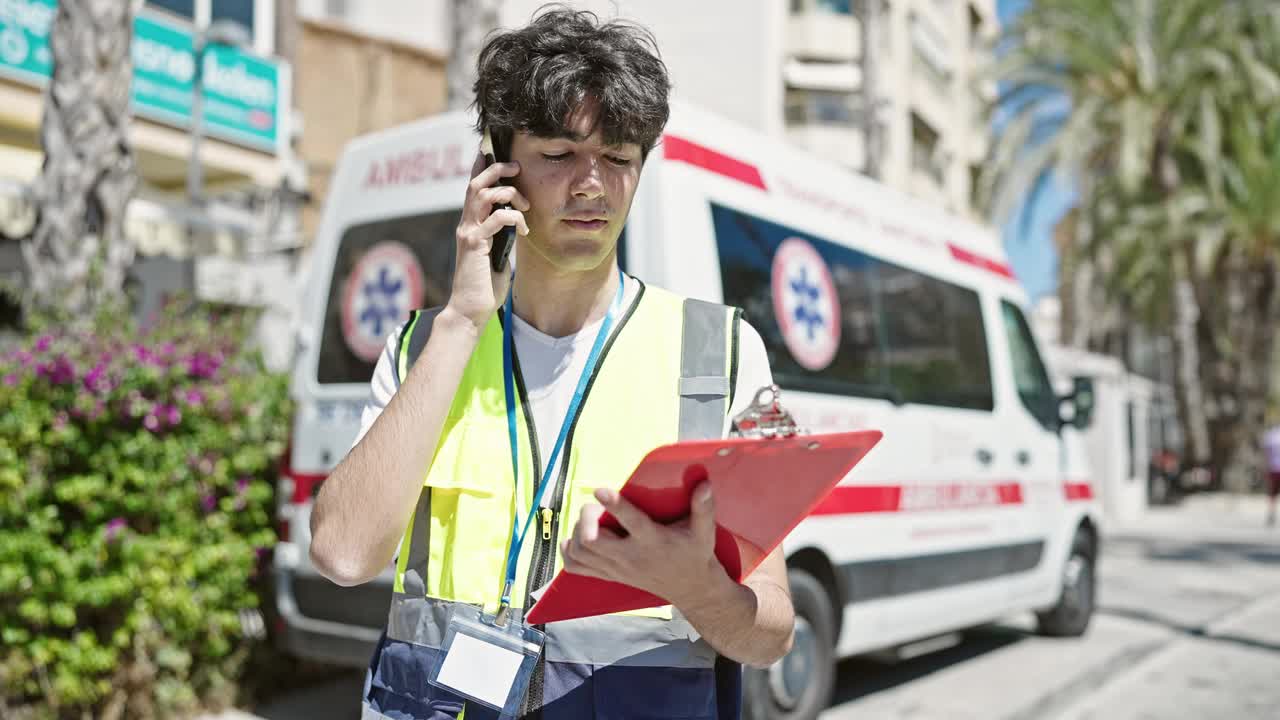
column 1079, row 404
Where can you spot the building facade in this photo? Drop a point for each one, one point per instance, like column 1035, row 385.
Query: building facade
column 795, row 70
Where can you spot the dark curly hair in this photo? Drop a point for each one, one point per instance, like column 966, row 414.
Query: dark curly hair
column 532, row 79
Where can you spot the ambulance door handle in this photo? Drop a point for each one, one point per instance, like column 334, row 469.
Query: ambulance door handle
column 1023, row 457
column 984, row 456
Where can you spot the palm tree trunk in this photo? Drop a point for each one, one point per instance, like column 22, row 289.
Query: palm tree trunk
column 1189, row 392
column 473, row 20
column 1246, row 376
column 78, row 254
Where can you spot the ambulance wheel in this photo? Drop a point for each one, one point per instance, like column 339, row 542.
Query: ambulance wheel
column 1070, row 617
column 798, row 686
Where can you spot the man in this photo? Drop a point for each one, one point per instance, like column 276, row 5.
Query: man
column 435, row 479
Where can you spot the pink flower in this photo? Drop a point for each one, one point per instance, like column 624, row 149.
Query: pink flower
column 115, row 528
column 95, row 381
column 11, row 380
column 58, row 372
column 203, row 365
column 44, row 343
column 208, row 502
column 151, row 422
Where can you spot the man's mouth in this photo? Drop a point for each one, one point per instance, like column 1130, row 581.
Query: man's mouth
column 588, row 223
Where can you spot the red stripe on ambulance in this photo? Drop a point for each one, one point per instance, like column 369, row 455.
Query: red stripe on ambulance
column 978, row 261
column 855, row 499
column 1078, row 491
column 678, row 149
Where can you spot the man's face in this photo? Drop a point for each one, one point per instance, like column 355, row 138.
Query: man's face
column 580, row 190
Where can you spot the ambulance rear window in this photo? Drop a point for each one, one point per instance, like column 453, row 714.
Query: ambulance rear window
column 839, row 321
column 383, row 270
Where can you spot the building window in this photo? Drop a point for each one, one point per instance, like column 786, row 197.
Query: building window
column 840, row 7
column 904, row 336
column 924, row 149
column 820, row 107
column 1131, row 425
column 240, row 11
column 931, row 54
column 975, row 26
column 181, row 8
column 975, row 182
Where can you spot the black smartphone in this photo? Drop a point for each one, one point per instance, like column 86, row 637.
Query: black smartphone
column 505, row 239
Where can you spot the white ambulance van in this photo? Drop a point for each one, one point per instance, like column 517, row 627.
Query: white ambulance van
column 877, row 311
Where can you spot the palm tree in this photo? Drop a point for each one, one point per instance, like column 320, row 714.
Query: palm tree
column 1165, row 134
column 78, row 253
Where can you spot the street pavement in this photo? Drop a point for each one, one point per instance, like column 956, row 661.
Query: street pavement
column 1189, row 627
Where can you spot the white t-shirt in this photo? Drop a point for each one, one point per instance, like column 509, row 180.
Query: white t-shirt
column 551, row 367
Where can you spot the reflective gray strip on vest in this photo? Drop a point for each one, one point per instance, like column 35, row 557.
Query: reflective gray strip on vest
column 420, row 332
column 419, row 620
column 628, row 640
column 608, row 640
column 704, row 381
column 415, row 570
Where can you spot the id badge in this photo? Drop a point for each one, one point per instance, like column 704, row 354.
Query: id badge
column 485, row 662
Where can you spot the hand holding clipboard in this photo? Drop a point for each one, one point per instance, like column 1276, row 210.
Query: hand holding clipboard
column 764, row 482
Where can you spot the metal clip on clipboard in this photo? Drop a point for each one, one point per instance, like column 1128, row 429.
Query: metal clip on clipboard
column 765, row 418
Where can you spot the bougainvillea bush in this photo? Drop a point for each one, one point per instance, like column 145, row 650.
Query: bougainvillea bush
column 136, row 476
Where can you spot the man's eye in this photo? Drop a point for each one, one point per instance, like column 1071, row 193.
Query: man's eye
column 555, row 157
column 619, row 161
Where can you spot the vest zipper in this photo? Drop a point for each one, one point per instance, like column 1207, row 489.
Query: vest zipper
column 543, row 562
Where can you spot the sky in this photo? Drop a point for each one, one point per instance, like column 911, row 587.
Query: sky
column 1029, row 240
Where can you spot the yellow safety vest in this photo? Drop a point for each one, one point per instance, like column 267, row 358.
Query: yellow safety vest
column 666, row 374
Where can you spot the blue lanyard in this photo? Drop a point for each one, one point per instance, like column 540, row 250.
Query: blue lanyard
column 517, row 533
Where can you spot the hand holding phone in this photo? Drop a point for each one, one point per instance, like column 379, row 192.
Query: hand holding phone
column 492, row 212
column 505, row 238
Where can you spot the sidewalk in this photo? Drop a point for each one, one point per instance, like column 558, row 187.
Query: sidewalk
column 1228, row 672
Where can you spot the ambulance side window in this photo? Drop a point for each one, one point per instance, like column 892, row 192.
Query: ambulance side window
column 903, row 336
column 936, row 341
column 383, row 269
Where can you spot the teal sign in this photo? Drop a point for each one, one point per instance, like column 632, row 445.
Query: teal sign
column 242, row 92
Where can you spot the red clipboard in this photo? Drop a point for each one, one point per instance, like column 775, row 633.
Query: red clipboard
column 763, row 488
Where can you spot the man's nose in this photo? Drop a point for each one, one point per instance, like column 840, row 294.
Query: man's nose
column 587, row 182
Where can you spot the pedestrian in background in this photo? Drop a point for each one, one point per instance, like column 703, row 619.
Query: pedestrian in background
column 1271, row 447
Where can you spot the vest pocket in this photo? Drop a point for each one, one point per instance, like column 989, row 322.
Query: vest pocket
column 471, row 505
